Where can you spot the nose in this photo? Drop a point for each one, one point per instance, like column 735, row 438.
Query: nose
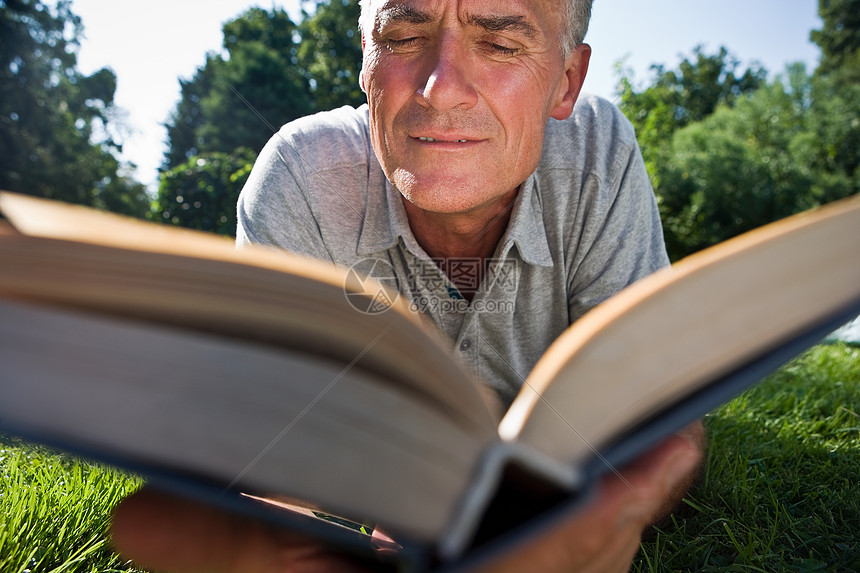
column 449, row 83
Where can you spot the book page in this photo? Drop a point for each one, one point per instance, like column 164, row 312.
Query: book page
column 666, row 336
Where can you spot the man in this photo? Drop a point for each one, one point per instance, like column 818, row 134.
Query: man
column 467, row 165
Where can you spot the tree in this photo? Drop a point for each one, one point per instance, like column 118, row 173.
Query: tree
column 202, row 193
column 226, row 113
column 240, row 99
column 272, row 72
column 696, row 88
column 774, row 153
column 55, row 139
column 734, row 171
column 330, row 53
column 727, row 151
column 834, row 139
column 677, row 98
column 187, row 119
column 839, row 38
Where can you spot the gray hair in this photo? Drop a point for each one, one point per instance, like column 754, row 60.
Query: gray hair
column 577, row 15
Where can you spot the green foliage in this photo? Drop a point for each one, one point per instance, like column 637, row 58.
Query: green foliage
column 695, row 89
column 240, row 99
column 55, row 123
column 839, row 39
column 273, row 72
column 779, row 490
column 330, row 53
column 54, row 511
column 679, row 97
column 202, row 193
column 777, row 152
column 832, row 140
column 729, row 152
column 734, row 171
column 187, row 119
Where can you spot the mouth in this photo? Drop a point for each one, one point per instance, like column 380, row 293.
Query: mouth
column 431, row 139
column 443, row 140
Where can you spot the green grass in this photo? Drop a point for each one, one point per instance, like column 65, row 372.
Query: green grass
column 54, row 511
column 781, row 485
column 780, row 490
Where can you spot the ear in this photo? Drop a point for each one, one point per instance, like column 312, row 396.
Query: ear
column 571, row 84
column 363, row 61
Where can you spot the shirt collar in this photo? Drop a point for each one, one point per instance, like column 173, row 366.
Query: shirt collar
column 385, row 220
column 526, row 229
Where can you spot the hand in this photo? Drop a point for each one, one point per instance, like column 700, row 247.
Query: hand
column 167, row 533
column 605, row 536
column 173, row 534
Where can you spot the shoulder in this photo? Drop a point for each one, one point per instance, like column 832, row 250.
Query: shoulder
column 310, row 183
column 316, row 159
column 325, row 139
column 591, row 139
column 592, row 181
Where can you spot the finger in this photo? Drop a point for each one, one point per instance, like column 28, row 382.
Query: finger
column 651, row 486
column 604, row 536
column 384, row 544
column 615, row 556
column 163, row 532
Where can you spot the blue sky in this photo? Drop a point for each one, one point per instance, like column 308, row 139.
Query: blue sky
column 150, row 45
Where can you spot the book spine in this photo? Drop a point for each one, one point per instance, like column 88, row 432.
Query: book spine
column 539, row 478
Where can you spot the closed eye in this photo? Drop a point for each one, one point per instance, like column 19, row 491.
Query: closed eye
column 500, row 49
column 403, row 43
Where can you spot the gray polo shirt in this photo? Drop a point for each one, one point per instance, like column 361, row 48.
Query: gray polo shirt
column 584, row 226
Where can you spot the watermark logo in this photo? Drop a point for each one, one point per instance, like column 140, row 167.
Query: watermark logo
column 371, row 286
column 439, row 305
column 433, row 293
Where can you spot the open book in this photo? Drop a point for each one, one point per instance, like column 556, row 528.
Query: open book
column 219, row 372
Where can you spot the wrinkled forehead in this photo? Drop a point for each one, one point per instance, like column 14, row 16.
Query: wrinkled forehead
column 546, row 15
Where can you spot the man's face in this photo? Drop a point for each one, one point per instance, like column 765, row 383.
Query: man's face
column 460, row 92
